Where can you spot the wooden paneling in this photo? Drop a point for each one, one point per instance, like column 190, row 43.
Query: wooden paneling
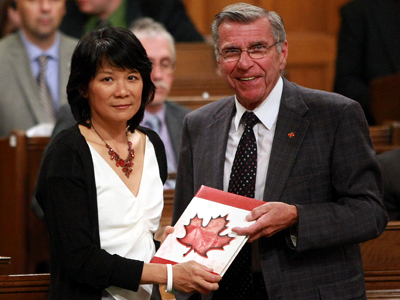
column 310, row 61
column 381, row 259
column 305, row 15
column 196, row 72
column 23, row 235
column 314, row 21
column 385, row 98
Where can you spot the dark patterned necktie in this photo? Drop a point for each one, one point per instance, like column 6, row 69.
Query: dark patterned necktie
column 44, row 91
column 237, row 281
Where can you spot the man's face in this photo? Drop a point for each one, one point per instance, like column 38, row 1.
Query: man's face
column 159, row 51
column 40, row 18
column 251, row 79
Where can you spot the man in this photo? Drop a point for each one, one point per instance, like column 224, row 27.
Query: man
column 85, row 15
column 315, row 168
column 368, row 48
column 163, row 116
column 21, row 104
column 390, row 166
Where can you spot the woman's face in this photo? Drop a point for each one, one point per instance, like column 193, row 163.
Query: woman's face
column 115, row 94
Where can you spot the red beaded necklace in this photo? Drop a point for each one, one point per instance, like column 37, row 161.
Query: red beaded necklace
column 126, row 164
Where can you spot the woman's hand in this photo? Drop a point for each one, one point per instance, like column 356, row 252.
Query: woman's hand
column 167, row 230
column 191, row 276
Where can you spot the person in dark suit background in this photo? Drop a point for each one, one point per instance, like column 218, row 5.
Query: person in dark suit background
column 160, row 48
column 83, row 16
column 368, row 48
column 390, row 166
column 316, row 168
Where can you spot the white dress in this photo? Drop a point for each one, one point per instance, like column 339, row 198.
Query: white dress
column 127, row 223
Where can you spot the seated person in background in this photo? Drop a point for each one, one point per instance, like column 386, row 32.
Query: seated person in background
column 83, row 16
column 368, row 48
column 29, row 96
column 390, row 166
column 101, row 181
column 9, row 17
column 164, row 117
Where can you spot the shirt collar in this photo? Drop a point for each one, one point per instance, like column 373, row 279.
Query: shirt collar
column 160, row 114
column 268, row 110
column 34, row 51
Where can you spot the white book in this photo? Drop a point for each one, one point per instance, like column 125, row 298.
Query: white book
column 203, row 232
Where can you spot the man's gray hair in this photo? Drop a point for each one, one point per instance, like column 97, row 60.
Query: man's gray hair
column 246, row 13
column 148, row 28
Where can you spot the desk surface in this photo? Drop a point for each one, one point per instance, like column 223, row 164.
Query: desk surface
column 5, row 260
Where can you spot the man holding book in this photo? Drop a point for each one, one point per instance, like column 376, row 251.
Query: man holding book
column 306, row 153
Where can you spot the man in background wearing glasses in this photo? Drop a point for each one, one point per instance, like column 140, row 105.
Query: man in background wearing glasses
column 164, row 117
column 307, row 154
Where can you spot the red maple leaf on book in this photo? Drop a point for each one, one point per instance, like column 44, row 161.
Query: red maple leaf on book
column 202, row 239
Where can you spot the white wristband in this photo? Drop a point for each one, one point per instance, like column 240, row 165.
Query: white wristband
column 170, row 278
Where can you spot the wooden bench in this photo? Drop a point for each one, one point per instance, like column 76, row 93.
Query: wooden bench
column 26, row 287
column 385, row 137
column 385, row 98
column 383, row 294
column 381, row 259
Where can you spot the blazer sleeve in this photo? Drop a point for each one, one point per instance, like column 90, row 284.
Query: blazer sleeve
column 345, row 204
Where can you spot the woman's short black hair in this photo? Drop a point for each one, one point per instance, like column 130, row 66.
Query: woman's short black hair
column 119, row 48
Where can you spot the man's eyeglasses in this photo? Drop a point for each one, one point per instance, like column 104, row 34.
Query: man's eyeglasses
column 165, row 66
column 255, row 52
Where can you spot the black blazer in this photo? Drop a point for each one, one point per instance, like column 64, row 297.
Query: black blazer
column 368, row 48
column 170, row 13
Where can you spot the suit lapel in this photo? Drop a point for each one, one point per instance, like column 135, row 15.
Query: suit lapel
column 388, row 24
column 174, row 124
column 24, row 78
column 64, row 69
column 290, row 130
column 216, row 138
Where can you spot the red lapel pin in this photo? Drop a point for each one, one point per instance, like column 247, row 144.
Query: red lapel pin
column 291, row 134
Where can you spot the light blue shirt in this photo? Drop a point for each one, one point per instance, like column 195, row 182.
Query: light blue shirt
column 52, row 70
column 164, row 135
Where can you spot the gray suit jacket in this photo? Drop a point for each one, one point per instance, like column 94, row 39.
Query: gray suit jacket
column 19, row 92
column 327, row 169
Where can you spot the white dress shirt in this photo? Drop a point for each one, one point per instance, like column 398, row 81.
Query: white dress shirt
column 264, row 132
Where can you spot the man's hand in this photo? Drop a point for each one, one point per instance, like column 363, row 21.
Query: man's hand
column 270, row 218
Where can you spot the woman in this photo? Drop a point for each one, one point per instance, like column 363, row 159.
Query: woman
column 102, row 209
